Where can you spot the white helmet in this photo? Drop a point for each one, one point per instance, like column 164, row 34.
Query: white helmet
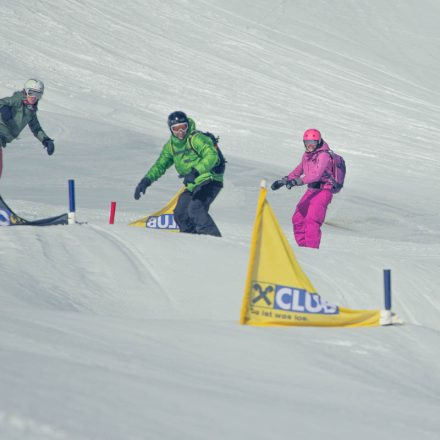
column 34, row 87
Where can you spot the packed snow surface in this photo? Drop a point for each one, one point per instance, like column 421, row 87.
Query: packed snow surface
column 113, row 332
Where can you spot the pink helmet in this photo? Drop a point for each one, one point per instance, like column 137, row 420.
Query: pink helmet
column 312, row 134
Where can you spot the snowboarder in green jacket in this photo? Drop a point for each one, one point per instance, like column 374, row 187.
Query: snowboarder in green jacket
column 195, row 158
column 20, row 110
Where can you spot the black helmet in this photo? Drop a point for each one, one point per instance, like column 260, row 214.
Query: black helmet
column 177, row 118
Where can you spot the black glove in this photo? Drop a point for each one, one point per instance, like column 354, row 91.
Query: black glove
column 191, row 176
column 6, row 113
column 279, row 183
column 141, row 187
column 49, row 145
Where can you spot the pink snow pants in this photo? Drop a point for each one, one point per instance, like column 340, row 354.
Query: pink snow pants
column 309, row 215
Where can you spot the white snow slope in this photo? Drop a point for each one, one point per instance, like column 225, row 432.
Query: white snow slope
column 113, row 332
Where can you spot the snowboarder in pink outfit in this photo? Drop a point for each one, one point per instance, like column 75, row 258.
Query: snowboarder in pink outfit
column 315, row 171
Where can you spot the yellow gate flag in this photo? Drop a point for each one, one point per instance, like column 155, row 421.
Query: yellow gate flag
column 162, row 219
column 278, row 292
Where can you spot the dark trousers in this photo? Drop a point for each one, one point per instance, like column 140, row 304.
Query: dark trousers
column 191, row 211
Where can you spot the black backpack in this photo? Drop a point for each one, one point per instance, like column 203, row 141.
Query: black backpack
column 220, row 167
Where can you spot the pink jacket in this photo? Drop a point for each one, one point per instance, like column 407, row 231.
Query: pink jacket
column 314, row 167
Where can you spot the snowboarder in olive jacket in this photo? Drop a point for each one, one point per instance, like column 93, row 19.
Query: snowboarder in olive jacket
column 194, row 157
column 20, row 110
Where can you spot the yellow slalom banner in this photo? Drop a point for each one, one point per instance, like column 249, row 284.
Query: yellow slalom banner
column 162, row 219
column 278, row 292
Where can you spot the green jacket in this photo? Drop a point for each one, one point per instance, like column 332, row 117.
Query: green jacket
column 22, row 115
column 203, row 157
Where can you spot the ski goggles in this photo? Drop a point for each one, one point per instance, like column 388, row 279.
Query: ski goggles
column 312, row 143
column 179, row 127
column 35, row 93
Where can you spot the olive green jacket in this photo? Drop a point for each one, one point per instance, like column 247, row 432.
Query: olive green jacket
column 202, row 156
column 22, row 115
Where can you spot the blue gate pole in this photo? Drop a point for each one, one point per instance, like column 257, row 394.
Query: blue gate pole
column 387, row 288
column 71, row 215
